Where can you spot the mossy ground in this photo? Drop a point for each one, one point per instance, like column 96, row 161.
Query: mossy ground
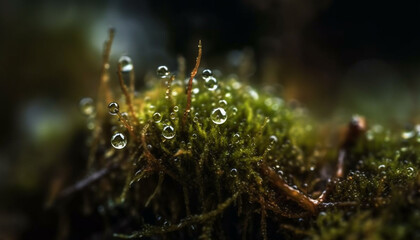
column 207, row 181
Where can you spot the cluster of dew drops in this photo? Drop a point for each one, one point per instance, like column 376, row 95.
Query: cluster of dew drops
column 119, row 140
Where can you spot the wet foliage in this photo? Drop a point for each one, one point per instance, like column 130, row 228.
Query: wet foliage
column 206, row 156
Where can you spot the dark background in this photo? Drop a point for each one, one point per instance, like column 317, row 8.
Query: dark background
column 336, row 58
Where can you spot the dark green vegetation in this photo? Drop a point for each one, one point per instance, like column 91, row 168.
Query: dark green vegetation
column 222, row 168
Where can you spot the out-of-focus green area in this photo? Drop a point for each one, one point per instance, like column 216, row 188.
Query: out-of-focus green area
column 335, row 58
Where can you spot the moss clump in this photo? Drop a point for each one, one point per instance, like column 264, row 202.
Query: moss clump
column 223, row 160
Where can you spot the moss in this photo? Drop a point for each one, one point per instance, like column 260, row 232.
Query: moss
column 186, row 173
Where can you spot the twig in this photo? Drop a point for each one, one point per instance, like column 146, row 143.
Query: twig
column 193, row 73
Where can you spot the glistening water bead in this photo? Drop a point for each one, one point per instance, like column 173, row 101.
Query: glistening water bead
column 162, row 71
column 206, row 74
column 168, row 132
column 157, row 117
column 218, row 116
column 113, row 108
column 211, row 83
column 126, row 63
column 86, row 106
column 118, row 141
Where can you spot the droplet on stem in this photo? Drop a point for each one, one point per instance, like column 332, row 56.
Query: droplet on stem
column 162, row 71
column 113, row 108
column 126, row 64
column 118, row 141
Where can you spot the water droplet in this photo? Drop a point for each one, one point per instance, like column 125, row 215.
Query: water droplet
column 126, row 64
column 218, row 116
column 273, row 139
column 194, row 136
column 408, row 134
column 381, row 167
column 253, row 93
column 168, row 132
column 172, row 115
column 236, row 137
column 176, row 108
column 91, row 123
column 86, row 106
column 233, row 172
column 113, row 108
column 162, row 71
column 206, row 74
column 157, row 117
column 118, row 141
column 410, row 171
column 211, row 83
column 222, row 103
column 195, row 90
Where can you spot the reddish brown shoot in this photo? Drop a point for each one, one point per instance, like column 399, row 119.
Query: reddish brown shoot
column 354, row 130
column 193, row 73
column 128, row 96
column 104, row 90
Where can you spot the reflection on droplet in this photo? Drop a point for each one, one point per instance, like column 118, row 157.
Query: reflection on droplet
column 211, row 83
column 126, row 64
column 86, row 106
column 113, row 108
column 162, row 71
column 118, row 141
column 222, row 103
column 168, row 132
column 157, row 117
column 233, row 172
column 206, row 74
column 218, row 116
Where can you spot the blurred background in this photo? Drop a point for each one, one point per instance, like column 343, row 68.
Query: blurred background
column 335, row 58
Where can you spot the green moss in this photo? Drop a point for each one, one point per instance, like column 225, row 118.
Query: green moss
column 211, row 181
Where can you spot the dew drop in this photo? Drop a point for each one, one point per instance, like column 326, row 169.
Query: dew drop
column 86, row 106
column 381, row 167
column 206, row 74
column 236, row 137
column 126, row 63
column 162, row 71
column 273, row 139
column 176, row 108
column 222, row 103
column 408, row 134
column 118, row 141
column 211, row 83
column 410, row 171
column 113, row 108
column 157, row 117
column 233, row 172
column 124, row 117
column 172, row 115
column 218, row 116
column 194, row 136
column 168, row 132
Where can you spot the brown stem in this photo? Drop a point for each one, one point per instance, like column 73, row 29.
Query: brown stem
column 127, row 95
column 304, row 201
column 193, row 73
